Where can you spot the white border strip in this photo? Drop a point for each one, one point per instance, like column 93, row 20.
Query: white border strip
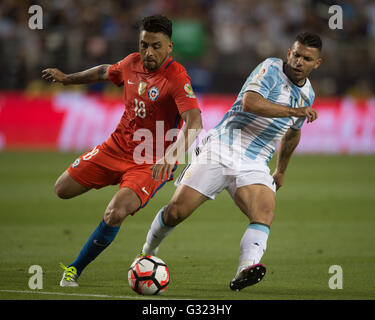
column 88, row 295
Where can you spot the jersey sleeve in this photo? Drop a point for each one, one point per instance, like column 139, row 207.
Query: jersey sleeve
column 262, row 79
column 183, row 94
column 116, row 72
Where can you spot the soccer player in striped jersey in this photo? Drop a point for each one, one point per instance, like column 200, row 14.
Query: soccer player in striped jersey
column 271, row 107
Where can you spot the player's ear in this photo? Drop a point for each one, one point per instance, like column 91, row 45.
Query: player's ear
column 289, row 53
column 170, row 46
column 318, row 63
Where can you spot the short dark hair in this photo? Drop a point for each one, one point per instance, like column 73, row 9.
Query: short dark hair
column 310, row 39
column 157, row 23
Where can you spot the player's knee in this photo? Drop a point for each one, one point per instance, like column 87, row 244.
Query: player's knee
column 125, row 202
column 264, row 215
column 174, row 214
column 269, row 215
column 114, row 216
column 61, row 191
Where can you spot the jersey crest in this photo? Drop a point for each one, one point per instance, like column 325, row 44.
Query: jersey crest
column 153, row 93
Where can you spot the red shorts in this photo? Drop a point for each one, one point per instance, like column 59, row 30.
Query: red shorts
column 102, row 166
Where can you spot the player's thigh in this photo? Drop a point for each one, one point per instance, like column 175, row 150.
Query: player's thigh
column 257, row 201
column 98, row 168
column 209, row 179
column 184, row 202
column 66, row 187
column 124, row 202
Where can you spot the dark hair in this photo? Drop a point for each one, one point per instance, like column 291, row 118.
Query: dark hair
column 310, row 39
column 157, row 23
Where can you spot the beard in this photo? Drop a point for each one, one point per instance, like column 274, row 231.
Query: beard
column 153, row 65
column 150, row 65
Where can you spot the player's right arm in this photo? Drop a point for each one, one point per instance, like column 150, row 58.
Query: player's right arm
column 288, row 144
column 254, row 103
column 92, row 75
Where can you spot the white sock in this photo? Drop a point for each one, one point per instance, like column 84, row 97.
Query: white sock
column 253, row 245
column 157, row 233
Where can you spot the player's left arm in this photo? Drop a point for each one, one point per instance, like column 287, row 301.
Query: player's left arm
column 92, row 75
column 186, row 136
column 288, row 144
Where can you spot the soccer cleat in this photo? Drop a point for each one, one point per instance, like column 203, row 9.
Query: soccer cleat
column 248, row 276
column 69, row 278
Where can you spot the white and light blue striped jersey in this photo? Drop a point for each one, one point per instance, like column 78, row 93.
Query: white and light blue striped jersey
column 258, row 135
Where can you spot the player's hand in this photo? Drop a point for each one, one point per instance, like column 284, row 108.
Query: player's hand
column 308, row 112
column 54, row 75
column 162, row 169
column 278, row 178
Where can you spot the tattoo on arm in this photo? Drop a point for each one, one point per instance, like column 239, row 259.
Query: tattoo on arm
column 95, row 74
column 103, row 72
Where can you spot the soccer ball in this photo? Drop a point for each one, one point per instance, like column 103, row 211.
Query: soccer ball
column 148, row 275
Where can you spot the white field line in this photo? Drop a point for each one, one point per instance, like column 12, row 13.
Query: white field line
column 88, row 295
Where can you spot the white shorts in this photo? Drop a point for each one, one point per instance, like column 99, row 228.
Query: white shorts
column 212, row 177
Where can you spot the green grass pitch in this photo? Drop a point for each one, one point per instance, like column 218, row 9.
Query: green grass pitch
column 324, row 216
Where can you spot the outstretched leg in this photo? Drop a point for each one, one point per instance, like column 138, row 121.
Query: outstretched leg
column 122, row 204
column 183, row 203
column 257, row 202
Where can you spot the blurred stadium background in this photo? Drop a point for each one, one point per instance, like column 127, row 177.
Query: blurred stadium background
column 43, row 126
column 218, row 41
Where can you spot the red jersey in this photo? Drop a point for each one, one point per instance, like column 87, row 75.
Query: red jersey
column 154, row 102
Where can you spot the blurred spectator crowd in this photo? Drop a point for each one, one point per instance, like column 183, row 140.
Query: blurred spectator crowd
column 218, row 41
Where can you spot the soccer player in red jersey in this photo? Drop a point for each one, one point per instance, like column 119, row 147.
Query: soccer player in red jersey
column 158, row 97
